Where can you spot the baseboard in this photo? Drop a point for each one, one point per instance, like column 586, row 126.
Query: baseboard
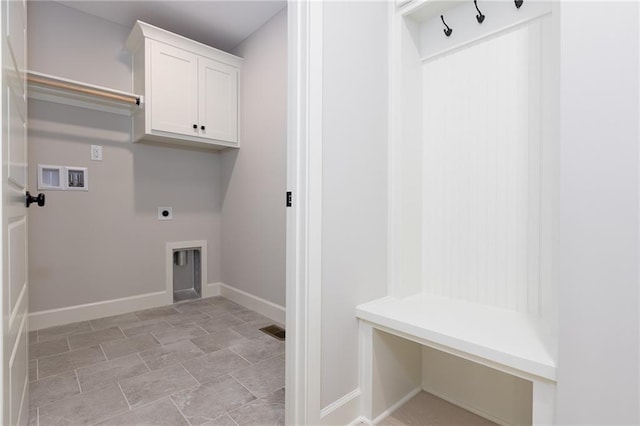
column 89, row 311
column 343, row 411
column 468, row 407
column 362, row 420
column 386, row 413
column 255, row 303
column 211, row 290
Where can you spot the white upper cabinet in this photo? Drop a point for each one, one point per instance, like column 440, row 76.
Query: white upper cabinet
column 190, row 90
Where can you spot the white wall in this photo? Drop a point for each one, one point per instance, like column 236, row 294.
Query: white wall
column 106, row 243
column 598, row 362
column 253, row 209
column 354, row 183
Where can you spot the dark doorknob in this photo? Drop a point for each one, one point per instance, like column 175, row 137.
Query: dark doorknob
column 31, row 199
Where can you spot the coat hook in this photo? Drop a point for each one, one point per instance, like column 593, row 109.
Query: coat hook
column 480, row 17
column 518, row 3
column 448, row 31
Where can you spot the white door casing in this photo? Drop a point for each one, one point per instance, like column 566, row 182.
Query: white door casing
column 14, row 296
column 304, row 220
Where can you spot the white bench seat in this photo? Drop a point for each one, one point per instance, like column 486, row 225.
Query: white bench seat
column 501, row 337
column 505, row 340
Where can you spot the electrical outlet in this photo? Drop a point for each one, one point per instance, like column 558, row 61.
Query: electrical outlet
column 96, row 152
column 165, row 213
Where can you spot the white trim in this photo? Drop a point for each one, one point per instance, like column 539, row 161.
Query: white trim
column 177, row 245
column 360, row 421
column 342, row 411
column 304, row 245
column 211, row 290
column 142, row 31
column 397, row 405
column 88, row 311
column 255, row 303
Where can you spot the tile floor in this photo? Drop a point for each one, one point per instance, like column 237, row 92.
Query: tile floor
column 426, row 409
column 192, row 363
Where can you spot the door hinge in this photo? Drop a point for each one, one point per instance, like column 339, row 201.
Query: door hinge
column 288, row 198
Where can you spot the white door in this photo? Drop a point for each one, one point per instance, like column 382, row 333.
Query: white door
column 173, row 89
column 15, row 389
column 218, row 91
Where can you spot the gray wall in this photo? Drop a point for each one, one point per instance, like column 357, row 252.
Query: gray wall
column 253, row 210
column 599, row 335
column 106, row 243
column 354, row 183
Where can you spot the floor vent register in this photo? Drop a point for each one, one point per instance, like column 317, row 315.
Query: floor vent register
column 274, row 331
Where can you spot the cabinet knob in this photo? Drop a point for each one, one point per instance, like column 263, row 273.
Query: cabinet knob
column 195, row 126
column 202, row 127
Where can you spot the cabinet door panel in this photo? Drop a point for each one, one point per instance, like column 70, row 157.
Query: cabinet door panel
column 218, row 100
column 174, row 99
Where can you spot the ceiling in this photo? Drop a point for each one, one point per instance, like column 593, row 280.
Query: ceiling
column 222, row 24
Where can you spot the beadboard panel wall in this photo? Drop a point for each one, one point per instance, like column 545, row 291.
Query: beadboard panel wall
column 481, row 172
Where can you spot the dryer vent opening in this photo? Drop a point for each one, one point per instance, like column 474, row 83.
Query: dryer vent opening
column 187, row 280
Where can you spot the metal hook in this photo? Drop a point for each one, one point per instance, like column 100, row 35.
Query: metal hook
column 448, row 31
column 518, row 3
column 480, row 17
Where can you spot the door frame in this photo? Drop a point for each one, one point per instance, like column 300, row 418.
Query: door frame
column 304, row 217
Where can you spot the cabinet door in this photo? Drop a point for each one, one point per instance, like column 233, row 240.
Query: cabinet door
column 218, row 101
column 173, row 96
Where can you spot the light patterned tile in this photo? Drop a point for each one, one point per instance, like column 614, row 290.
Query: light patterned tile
column 264, row 377
column 161, row 312
column 220, row 309
column 264, row 411
column 57, row 364
column 147, row 327
column 85, row 409
column 223, row 420
column 99, row 375
column 158, row 384
column 52, row 347
column 189, row 307
column 215, row 364
column 66, row 330
column 250, row 316
column 114, row 321
column 33, row 370
column 93, row 338
column 425, row 408
column 259, row 349
column 220, row 322
column 166, row 355
column 52, row 389
column 175, row 334
column 187, row 318
column 209, row 401
column 33, row 417
column 251, row 330
column 118, row 348
column 161, row 413
column 219, row 340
